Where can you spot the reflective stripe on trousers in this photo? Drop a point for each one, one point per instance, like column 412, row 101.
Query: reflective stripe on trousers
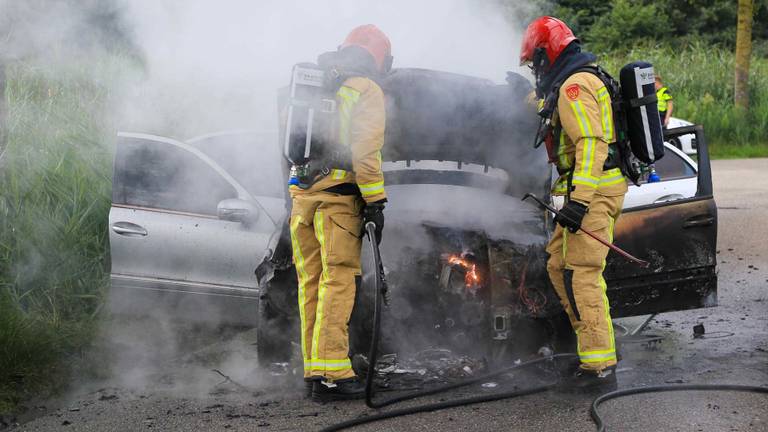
column 585, row 257
column 608, row 355
column 327, row 258
column 303, row 278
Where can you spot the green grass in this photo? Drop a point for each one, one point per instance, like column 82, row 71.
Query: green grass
column 735, row 151
column 701, row 81
column 54, row 200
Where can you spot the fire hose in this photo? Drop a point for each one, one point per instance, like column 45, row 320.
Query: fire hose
column 379, row 286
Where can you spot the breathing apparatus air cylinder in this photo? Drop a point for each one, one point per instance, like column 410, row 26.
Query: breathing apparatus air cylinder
column 310, row 116
column 644, row 128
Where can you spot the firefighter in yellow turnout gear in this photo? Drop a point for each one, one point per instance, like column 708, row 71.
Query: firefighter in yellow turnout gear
column 326, row 227
column 580, row 145
column 576, row 261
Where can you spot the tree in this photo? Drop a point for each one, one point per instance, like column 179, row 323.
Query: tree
column 743, row 53
column 580, row 15
column 3, row 115
column 626, row 24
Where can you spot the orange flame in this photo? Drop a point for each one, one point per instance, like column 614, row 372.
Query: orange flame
column 471, row 276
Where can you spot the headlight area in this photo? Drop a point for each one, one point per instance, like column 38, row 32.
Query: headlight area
column 467, row 293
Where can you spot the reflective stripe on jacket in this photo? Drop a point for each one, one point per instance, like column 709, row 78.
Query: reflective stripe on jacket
column 361, row 124
column 584, row 112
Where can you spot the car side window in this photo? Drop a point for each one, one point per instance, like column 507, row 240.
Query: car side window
column 254, row 160
column 673, row 167
column 164, row 176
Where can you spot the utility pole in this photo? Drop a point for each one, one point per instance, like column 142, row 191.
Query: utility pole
column 3, row 110
column 743, row 53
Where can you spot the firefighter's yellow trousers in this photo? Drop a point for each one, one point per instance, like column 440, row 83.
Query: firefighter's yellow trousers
column 575, row 266
column 325, row 235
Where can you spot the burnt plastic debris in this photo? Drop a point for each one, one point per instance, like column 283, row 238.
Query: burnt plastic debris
column 698, row 331
column 279, row 369
column 545, row 351
column 431, row 366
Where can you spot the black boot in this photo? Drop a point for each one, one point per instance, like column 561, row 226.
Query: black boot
column 567, row 366
column 346, row 389
column 589, row 381
column 308, row 385
column 360, row 365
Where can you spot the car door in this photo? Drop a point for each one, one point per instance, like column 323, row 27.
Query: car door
column 677, row 180
column 678, row 237
column 184, row 234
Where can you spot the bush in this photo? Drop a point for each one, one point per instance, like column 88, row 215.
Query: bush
column 54, row 200
column 628, row 21
column 701, row 81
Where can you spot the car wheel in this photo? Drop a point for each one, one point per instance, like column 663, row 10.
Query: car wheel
column 278, row 326
column 561, row 333
column 361, row 321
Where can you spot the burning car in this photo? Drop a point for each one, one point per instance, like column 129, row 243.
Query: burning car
column 464, row 257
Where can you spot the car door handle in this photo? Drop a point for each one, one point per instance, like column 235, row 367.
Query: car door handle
column 699, row 221
column 670, row 197
column 129, row 229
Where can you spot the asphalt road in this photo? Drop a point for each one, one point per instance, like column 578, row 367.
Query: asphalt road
column 195, row 398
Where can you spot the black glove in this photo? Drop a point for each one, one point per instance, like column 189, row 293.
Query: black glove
column 571, row 215
column 374, row 212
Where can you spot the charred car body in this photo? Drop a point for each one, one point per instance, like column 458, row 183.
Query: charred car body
column 464, row 256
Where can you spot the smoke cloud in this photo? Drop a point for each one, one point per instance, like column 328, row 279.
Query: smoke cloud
column 190, row 67
column 218, row 66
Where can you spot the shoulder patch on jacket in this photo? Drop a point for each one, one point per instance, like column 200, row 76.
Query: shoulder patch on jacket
column 572, row 91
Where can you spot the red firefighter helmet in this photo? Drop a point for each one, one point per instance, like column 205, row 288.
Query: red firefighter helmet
column 547, row 33
column 373, row 40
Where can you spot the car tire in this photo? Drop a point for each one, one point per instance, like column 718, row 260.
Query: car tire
column 278, row 326
column 561, row 333
column 361, row 320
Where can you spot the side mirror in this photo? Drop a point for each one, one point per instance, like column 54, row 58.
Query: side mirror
column 237, row 210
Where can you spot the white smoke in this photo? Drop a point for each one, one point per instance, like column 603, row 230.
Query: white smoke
column 210, row 66
column 219, row 65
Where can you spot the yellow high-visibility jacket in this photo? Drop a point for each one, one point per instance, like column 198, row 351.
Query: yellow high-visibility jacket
column 584, row 118
column 663, row 97
column 361, row 124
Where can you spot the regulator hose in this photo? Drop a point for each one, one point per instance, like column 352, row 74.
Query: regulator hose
column 598, row 419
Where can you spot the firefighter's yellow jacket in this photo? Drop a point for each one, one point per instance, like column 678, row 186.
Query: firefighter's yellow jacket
column 584, row 120
column 361, row 123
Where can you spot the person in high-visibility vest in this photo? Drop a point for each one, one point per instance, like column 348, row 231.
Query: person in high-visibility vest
column 581, row 143
column 327, row 219
column 664, row 100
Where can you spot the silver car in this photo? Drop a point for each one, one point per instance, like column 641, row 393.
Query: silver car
column 198, row 228
column 185, row 233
